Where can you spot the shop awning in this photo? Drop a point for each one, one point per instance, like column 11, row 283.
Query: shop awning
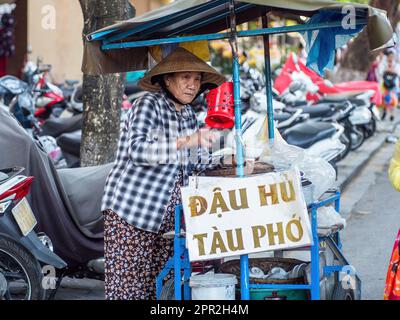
column 199, row 17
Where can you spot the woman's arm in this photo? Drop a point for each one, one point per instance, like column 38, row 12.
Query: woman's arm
column 394, row 168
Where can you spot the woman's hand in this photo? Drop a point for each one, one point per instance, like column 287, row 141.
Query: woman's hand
column 248, row 164
column 202, row 138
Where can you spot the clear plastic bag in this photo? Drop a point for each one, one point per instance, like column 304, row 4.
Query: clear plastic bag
column 328, row 217
column 317, row 170
column 320, row 172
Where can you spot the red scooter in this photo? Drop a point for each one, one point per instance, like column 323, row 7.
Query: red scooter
column 23, row 253
column 49, row 99
column 325, row 89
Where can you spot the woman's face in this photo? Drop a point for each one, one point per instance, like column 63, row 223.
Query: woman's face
column 184, row 85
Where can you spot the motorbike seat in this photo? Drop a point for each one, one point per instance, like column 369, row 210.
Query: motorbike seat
column 298, row 103
column 354, row 101
column 304, row 135
column 71, row 142
column 343, row 95
column 322, row 109
column 56, row 126
column 84, row 188
column 358, row 102
column 282, row 116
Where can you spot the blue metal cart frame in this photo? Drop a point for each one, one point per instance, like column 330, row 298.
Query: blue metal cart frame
column 180, row 263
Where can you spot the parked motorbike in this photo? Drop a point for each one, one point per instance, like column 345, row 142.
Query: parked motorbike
column 49, row 99
column 23, row 253
column 319, row 138
column 324, row 87
column 365, row 115
column 21, row 105
column 66, row 204
column 360, row 124
column 16, row 96
column 324, row 137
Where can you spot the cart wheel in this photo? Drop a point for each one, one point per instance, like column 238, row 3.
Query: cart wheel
column 168, row 291
column 340, row 293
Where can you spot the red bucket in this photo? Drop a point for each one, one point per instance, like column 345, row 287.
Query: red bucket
column 220, row 107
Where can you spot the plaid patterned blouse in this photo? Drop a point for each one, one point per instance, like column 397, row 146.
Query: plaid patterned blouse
column 139, row 185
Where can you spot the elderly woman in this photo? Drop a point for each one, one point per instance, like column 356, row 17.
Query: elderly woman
column 152, row 164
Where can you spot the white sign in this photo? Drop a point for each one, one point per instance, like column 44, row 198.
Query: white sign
column 234, row 216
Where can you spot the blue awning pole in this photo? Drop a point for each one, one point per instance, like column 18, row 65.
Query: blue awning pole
column 244, row 259
column 236, row 92
column 268, row 82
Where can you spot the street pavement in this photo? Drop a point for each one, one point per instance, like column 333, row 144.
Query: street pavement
column 371, row 208
column 80, row 289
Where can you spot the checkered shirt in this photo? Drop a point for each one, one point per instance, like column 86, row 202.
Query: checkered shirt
column 139, row 185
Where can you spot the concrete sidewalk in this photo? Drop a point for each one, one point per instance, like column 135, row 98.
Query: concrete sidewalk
column 369, row 205
column 352, row 165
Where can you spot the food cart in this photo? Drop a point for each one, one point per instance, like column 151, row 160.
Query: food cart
column 124, row 47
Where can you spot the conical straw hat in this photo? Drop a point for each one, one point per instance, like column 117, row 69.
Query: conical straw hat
column 181, row 60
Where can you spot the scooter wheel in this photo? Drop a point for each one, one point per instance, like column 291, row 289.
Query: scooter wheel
column 340, row 293
column 370, row 129
column 357, row 138
column 21, row 270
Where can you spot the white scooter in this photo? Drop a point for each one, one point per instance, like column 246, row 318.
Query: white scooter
column 321, row 139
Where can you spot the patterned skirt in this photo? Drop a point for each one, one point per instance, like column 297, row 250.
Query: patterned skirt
column 135, row 257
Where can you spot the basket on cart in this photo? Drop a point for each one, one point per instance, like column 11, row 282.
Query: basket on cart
column 266, row 265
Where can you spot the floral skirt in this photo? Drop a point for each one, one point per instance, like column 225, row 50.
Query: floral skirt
column 134, row 257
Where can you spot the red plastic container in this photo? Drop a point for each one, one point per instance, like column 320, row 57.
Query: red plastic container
column 220, row 107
